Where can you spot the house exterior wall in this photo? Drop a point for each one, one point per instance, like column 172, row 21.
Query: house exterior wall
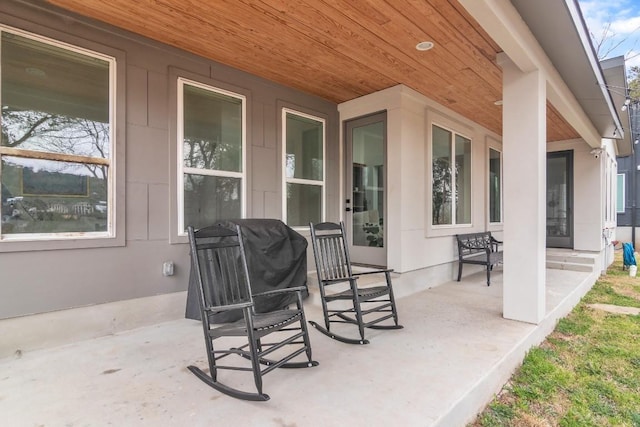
column 589, row 194
column 625, row 166
column 417, row 245
column 35, row 281
column 625, row 220
column 628, row 166
column 593, row 229
column 428, row 253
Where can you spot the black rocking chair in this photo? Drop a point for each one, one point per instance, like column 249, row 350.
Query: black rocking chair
column 354, row 304
column 220, row 264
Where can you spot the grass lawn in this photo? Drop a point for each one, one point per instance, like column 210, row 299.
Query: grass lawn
column 586, row 373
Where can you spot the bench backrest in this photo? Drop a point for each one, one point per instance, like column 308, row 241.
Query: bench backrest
column 473, row 243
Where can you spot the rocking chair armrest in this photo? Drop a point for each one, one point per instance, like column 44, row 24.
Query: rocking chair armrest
column 280, row 291
column 342, row 279
column 228, row 307
column 387, row 270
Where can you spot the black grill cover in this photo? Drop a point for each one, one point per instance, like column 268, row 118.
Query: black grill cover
column 276, row 258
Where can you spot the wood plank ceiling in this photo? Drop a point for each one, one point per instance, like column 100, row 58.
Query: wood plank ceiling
column 335, row 49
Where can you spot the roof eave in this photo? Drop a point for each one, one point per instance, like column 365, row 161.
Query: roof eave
column 551, row 35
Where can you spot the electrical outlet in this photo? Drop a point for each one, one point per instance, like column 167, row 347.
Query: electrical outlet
column 167, row 268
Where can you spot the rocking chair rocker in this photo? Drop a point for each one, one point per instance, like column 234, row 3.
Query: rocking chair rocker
column 355, row 303
column 220, row 264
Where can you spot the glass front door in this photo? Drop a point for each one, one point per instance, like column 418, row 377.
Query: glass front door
column 560, row 199
column 365, row 201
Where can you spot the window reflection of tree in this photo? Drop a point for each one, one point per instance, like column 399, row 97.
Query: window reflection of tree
column 48, row 202
column 212, row 154
column 55, row 133
column 441, row 190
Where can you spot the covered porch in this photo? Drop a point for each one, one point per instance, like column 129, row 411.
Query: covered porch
column 497, row 57
column 455, row 352
column 458, row 346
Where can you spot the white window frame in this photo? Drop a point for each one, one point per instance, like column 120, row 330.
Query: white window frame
column 492, row 146
column 609, row 193
column 109, row 162
column 285, row 180
column 181, row 169
column 454, row 132
column 621, row 186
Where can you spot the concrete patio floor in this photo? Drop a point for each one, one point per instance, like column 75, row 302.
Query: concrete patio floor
column 454, row 353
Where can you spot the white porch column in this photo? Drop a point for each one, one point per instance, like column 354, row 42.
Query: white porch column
column 524, row 145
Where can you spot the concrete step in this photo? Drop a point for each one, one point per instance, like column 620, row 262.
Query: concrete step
column 573, row 258
column 559, row 259
column 572, row 266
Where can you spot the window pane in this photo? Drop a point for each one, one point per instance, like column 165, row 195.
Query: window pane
column 494, row 186
column 620, row 190
column 41, row 196
column 367, row 156
column 304, row 148
column 558, row 197
column 463, row 180
column 304, row 204
column 53, row 99
column 441, row 206
column 208, row 199
column 212, row 130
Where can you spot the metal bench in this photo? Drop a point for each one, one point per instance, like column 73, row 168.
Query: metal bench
column 479, row 249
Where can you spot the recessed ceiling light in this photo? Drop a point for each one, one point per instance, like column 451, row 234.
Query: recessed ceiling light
column 498, row 102
column 424, row 46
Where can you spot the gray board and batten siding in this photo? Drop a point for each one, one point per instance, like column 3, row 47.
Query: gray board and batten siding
column 41, row 277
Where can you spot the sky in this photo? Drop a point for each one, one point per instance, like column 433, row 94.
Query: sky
column 617, row 22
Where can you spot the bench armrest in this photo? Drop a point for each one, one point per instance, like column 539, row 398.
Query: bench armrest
column 495, row 243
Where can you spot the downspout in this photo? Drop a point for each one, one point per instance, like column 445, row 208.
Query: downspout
column 633, row 111
column 634, row 186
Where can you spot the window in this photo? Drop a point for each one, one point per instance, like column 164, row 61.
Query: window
column 495, row 186
column 610, row 196
column 211, row 135
column 303, row 146
column 451, row 177
column 57, row 145
column 620, row 193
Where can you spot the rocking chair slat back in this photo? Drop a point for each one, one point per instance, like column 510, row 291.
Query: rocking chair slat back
column 224, row 275
column 332, row 256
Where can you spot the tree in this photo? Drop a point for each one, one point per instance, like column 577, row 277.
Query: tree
column 607, row 42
